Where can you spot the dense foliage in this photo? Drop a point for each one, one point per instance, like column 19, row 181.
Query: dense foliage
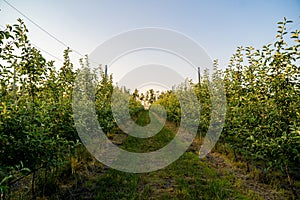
column 263, row 93
column 36, row 123
column 263, row 105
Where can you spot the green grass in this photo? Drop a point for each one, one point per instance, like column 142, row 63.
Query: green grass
column 156, row 142
column 186, row 178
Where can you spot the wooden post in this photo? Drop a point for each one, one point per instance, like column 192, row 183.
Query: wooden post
column 105, row 71
column 199, row 77
column 199, row 82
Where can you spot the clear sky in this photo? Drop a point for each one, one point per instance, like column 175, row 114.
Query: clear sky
column 218, row 26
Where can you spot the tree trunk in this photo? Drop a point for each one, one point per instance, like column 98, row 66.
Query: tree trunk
column 32, row 186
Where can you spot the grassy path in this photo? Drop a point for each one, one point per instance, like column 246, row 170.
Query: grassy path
column 187, row 178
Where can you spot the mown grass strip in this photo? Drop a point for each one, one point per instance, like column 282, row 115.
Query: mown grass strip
column 186, row 178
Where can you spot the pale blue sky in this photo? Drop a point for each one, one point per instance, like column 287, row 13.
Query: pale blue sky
column 219, row 26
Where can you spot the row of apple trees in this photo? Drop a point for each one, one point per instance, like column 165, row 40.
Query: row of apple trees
column 262, row 89
column 263, row 95
column 36, row 123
